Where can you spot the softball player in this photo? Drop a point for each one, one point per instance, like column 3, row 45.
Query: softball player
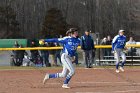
column 69, row 50
column 118, row 46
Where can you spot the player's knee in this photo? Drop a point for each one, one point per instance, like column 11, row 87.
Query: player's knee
column 117, row 62
column 72, row 73
column 124, row 59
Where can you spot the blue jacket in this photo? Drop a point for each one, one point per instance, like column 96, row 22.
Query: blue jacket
column 87, row 42
column 118, row 42
column 70, row 44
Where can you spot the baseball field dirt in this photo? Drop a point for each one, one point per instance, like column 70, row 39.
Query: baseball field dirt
column 95, row 80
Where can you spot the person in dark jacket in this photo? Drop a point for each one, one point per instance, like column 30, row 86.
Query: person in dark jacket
column 87, row 45
column 14, row 52
column 20, row 55
column 57, row 54
column 34, row 53
column 52, row 54
column 45, row 55
column 109, row 42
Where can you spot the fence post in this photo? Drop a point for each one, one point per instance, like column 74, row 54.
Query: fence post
column 132, row 56
column 99, row 56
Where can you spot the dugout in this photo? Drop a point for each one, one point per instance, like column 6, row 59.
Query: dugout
column 9, row 43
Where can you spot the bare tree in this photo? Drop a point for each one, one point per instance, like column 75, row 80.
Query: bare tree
column 101, row 16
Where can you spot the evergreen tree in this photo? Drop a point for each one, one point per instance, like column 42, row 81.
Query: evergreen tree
column 54, row 24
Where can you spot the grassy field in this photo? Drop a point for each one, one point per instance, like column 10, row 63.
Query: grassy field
column 44, row 68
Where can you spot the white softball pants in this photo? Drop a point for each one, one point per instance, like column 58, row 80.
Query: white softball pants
column 67, row 66
column 117, row 54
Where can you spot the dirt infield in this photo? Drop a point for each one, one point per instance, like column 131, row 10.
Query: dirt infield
column 103, row 80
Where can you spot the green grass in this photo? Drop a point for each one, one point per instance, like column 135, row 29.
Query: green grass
column 26, row 68
column 114, row 66
column 45, row 68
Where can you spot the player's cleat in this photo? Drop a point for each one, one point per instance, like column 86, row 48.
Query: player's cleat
column 46, row 78
column 117, row 71
column 121, row 68
column 65, row 86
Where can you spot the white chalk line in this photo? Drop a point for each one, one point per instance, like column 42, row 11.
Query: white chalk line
column 113, row 91
column 96, row 83
column 104, row 68
column 125, row 91
column 10, row 69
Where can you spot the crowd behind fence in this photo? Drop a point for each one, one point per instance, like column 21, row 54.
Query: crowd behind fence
column 133, row 59
column 40, row 55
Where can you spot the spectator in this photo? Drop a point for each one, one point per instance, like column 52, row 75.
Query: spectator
column 27, row 60
column 87, row 45
column 52, row 54
column 45, row 55
column 76, row 58
column 104, row 42
column 34, row 53
column 20, row 56
column 131, row 50
column 39, row 61
column 16, row 45
column 108, row 50
column 12, row 61
column 57, row 53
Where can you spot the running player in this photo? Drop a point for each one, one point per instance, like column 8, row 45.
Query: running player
column 118, row 46
column 69, row 50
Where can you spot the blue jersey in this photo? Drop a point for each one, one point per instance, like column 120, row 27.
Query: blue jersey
column 118, row 42
column 70, row 44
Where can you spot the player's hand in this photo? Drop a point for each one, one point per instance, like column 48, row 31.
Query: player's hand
column 125, row 50
column 41, row 41
column 112, row 52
